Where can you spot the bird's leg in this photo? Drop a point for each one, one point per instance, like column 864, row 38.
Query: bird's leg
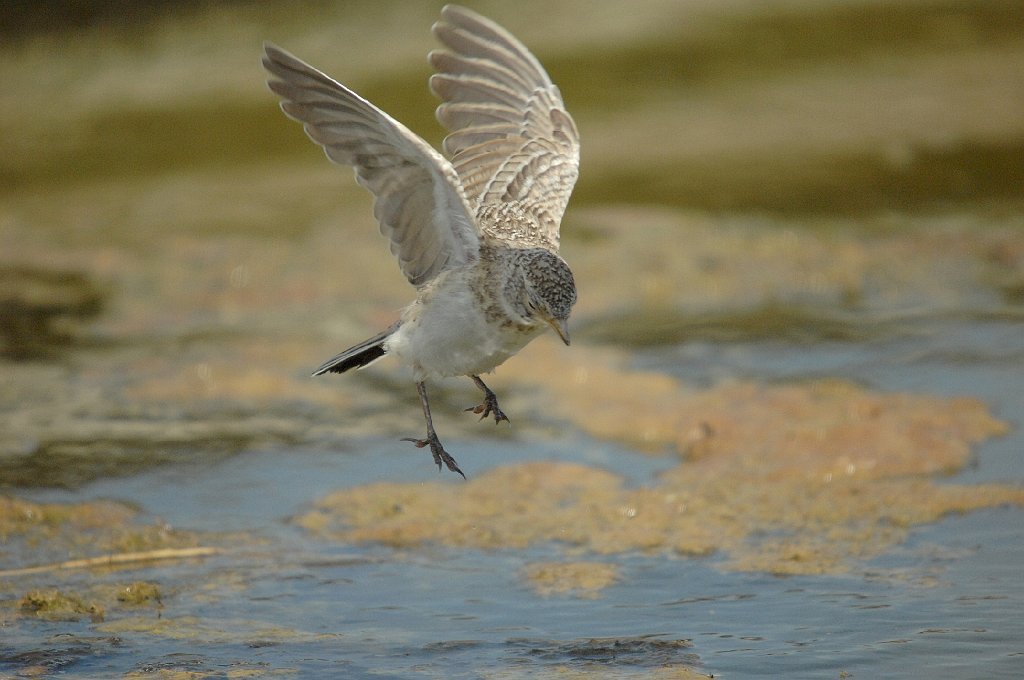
column 490, row 404
column 440, row 455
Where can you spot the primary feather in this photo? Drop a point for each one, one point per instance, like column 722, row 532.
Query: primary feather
column 419, row 199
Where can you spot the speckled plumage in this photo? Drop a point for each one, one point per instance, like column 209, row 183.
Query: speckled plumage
column 477, row 235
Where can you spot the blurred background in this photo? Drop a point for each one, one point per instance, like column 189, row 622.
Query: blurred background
column 798, row 237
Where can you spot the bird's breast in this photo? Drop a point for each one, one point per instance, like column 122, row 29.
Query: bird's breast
column 447, row 333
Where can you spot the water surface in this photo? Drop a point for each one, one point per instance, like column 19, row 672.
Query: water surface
column 786, row 440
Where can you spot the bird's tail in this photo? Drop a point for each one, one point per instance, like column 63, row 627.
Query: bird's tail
column 363, row 354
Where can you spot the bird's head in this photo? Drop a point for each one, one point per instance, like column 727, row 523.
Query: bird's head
column 550, row 291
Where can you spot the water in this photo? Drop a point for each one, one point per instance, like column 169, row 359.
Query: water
column 747, row 216
column 946, row 603
column 464, row 614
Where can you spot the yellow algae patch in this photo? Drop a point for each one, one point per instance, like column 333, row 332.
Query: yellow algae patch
column 176, row 628
column 582, row 579
column 207, row 629
column 45, row 520
column 729, row 263
column 789, row 479
column 61, row 605
column 56, row 605
column 53, row 540
column 734, row 263
column 167, row 674
column 238, row 673
column 820, row 427
column 232, row 674
column 833, row 526
column 54, row 533
column 139, row 593
column 598, row 671
column 643, row 656
column 511, row 506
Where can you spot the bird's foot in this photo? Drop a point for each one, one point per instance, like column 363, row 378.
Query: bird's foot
column 490, row 406
column 440, row 455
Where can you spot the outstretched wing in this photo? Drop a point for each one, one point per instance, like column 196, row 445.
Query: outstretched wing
column 419, row 203
column 511, row 138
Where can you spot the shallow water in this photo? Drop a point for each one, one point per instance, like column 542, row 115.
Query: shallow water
column 800, row 324
column 946, row 603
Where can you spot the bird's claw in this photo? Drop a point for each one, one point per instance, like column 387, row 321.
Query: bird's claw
column 490, row 406
column 440, row 455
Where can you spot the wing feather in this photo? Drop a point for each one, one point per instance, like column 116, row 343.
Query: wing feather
column 419, row 199
column 511, row 139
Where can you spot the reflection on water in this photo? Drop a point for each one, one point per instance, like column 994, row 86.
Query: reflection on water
column 800, row 251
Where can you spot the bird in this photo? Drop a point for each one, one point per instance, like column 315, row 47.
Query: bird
column 476, row 230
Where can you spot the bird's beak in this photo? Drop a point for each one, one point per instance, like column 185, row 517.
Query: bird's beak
column 562, row 328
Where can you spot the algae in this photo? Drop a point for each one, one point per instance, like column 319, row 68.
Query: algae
column 788, row 479
column 140, row 593
column 56, row 605
column 172, row 291
column 641, row 656
column 579, row 579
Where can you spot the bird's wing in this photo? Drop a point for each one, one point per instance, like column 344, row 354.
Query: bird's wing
column 511, row 138
column 419, row 202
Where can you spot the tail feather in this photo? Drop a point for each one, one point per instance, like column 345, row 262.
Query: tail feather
column 363, row 354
